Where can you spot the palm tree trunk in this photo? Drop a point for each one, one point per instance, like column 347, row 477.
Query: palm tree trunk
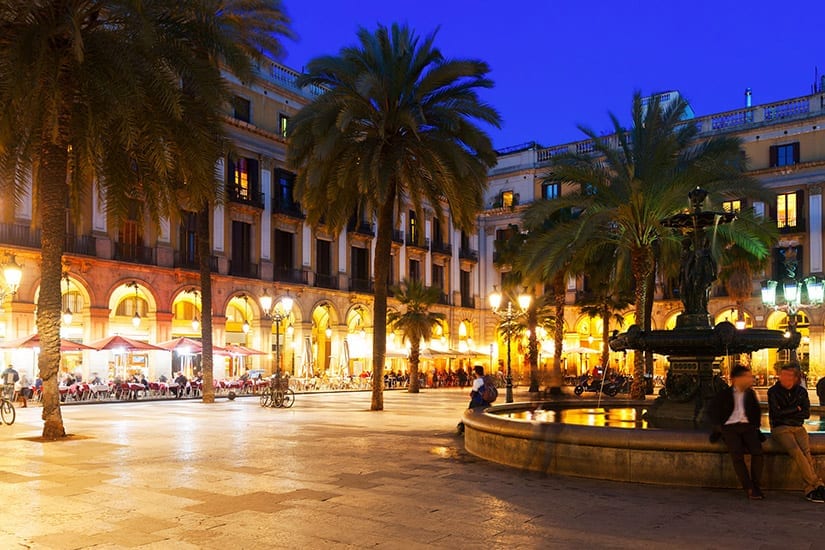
column 533, row 346
column 52, row 197
column 415, row 357
column 205, row 269
column 641, row 264
column 559, row 296
column 381, row 267
column 605, row 338
column 648, row 325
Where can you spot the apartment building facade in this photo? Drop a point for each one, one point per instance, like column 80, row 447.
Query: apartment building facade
column 785, row 142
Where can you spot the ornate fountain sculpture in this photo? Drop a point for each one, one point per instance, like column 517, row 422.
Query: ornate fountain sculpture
column 694, row 346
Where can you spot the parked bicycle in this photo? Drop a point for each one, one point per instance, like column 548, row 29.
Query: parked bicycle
column 7, row 413
column 278, row 394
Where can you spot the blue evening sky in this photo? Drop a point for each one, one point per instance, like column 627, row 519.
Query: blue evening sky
column 557, row 64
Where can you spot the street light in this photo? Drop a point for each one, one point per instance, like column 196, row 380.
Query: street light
column 272, row 311
column 13, row 274
column 793, row 300
column 136, row 316
column 67, row 313
column 508, row 315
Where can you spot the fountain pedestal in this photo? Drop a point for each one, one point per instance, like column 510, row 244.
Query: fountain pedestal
column 691, row 384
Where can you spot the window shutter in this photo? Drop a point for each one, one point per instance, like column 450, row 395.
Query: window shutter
column 796, row 152
column 230, row 171
column 800, row 209
column 253, row 174
column 774, row 156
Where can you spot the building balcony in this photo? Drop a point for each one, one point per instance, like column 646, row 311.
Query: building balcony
column 397, row 236
column 444, row 299
column 184, row 260
column 83, row 245
column 283, row 274
column 468, row 254
column 361, row 285
column 361, row 228
column 135, row 253
column 467, row 301
column 423, row 244
column 19, row 234
column 245, row 195
column 248, row 270
column 437, row 247
column 326, row 281
column 798, row 226
column 289, row 209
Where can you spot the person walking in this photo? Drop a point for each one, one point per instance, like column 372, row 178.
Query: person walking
column 788, row 408
column 25, row 390
column 736, row 417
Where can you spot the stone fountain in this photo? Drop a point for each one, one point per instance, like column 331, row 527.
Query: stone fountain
column 695, row 346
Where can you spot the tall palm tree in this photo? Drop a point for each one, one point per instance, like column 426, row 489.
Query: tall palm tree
column 124, row 93
column 633, row 180
column 417, row 322
column 399, row 123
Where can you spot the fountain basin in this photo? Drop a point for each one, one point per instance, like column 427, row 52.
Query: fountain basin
column 656, row 456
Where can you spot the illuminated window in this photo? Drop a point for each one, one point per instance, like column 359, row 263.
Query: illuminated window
column 784, row 155
column 283, row 124
column 786, row 213
column 550, row 191
column 507, row 199
column 241, row 178
column 732, row 206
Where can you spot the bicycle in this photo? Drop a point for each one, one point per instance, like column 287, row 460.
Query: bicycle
column 278, row 394
column 7, row 412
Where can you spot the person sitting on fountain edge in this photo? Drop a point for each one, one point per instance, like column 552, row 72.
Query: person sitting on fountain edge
column 736, row 416
column 788, row 407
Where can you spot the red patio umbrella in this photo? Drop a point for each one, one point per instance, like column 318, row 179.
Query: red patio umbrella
column 33, row 341
column 182, row 344
column 123, row 343
column 241, row 351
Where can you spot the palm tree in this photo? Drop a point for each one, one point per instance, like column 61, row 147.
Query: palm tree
column 635, row 179
column 399, row 123
column 417, row 322
column 91, row 91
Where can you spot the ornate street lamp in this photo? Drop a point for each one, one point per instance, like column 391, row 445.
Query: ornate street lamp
column 508, row 314
column 793, row 299
column 67, row 315
column 136, row 316
column 272, row 311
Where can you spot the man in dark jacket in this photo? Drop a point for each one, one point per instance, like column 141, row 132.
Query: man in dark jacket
column 820, row 390
column 789, row 407
column 736, row 416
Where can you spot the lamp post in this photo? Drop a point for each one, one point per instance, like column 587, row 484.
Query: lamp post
column 509, row 314
column 793, row 299
column 278, row 315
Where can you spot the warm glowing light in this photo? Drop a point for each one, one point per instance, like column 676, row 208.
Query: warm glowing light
column 67, row 317
column 13, row 274
column 791, row 290
column 266, row 302
column 769, row 293
column 495, row 299
column 740, row 324
column 328, row 333
column 136, row 320
column 287, row 302
column 245, row 327
column 196, row 324
column 290, row 330
column 524, row 301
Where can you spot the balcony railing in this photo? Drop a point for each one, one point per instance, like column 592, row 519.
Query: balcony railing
column 245, row 195
column 398, row 236
column 83, row 245
column 798, row 226
column 438, row 247
column 19, row 234
column 360, row 285
column 290, row 209
column 364, row 228
column 185, row 260
column 444, row 299
column 424, row 244
column 467, row 301
column 135, row 253
column 248, row 270
column 290, row 275
column 468, row 254
column 326, row 281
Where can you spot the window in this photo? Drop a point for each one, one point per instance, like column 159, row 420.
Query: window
column 732, row 206
column 284, row 251
column 415, row 270
column 243, row 178
column 283, row 124
column 413, row 229
column 550, row 191
column 784, row 155
column 786, row 212
column 283, row 193
column 466, row 294
column 438, row 276
column 189, row 239
column 241, row 109
column 241, row 249
column 359, row 260
column 507, row 199
column 438, row 238
column 323, row 257
column 465, row 241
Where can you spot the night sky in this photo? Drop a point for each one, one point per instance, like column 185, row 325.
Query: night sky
column 558, row 64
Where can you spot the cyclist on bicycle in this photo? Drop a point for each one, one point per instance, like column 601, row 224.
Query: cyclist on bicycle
column 10, row 378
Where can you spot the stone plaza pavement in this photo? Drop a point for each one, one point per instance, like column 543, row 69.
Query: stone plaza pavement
column 330, row 474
